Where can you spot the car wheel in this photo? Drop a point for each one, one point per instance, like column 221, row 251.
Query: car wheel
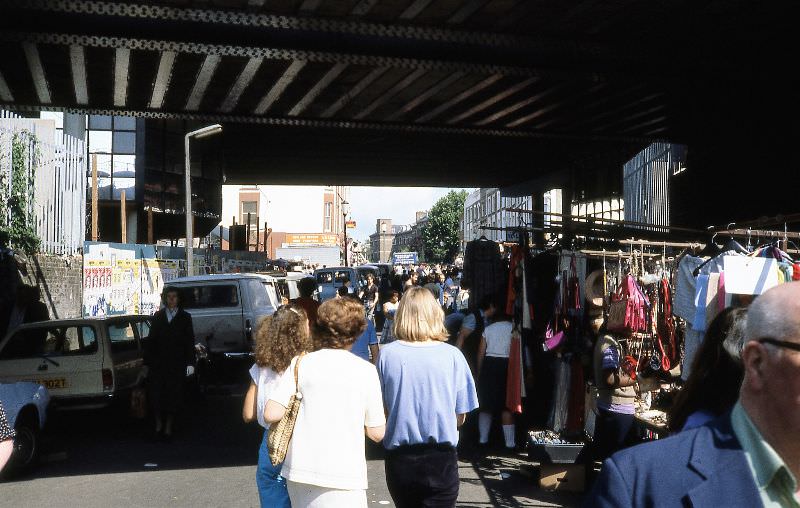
column 26, row 445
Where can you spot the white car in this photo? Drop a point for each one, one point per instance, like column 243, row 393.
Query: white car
column 84, row 363
column 25, row 405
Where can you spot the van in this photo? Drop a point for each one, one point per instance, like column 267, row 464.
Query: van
column 226, row 309
column 84, row 363
column 329, row 280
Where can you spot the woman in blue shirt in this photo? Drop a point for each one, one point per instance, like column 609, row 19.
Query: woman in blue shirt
column 427, row 391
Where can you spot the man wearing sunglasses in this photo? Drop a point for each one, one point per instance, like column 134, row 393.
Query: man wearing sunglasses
column 749, row 457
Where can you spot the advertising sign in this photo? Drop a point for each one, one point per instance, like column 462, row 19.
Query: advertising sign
column 317, row 239
column 404, row 258
column 351, row 224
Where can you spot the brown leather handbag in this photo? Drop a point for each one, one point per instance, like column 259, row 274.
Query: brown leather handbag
column 281, row 433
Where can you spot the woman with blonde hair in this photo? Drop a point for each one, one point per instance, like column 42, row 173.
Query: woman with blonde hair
column 427, row 391
column 341, row 401
column 279, row 338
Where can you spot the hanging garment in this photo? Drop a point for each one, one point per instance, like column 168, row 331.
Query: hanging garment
column 577, row 400
column 692, row 339
column 514, row 383
column 558, row 413
column 483, row 270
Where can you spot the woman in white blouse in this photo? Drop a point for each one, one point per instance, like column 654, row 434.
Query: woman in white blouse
column 341, row 401
column 279, row 338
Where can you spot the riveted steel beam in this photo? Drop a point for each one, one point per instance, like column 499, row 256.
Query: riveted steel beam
column 265, row 52
column 122, row 59
column 466, row 94
column 415, row 9
column 427, row 94
column 241, row 84
column 163, row 76
column 465, row 11
column 620, row 119
column 363, row 7
column 204, row 76
column 280, row 86
column 329, row 124
column 317, row 89
column 243, row 18
column 77, row 60
column 543, row 111
column 519, row 105
column 396, row 89
column 491, row 101
column 309, row 6
column 37, row 72
column 354, row 92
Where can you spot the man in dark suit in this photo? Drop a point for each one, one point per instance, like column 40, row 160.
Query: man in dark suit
column 749, row 457
column 169, row 358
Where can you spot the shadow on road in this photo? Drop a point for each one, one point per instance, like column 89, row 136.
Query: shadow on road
column 209, row 434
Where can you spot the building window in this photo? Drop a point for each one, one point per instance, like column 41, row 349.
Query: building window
column 328, row 216
column 112, row 141
column 249, row 207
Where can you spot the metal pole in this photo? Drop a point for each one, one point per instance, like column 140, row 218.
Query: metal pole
column 344, row 223
column 188, row 189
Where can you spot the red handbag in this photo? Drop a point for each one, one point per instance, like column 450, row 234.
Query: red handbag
column 626, row 313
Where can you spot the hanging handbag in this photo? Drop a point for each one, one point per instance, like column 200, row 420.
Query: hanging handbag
column 281, row 433
column 626, row 313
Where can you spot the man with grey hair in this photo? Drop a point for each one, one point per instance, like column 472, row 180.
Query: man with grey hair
column 748, row 457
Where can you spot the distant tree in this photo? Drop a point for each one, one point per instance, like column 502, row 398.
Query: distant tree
column 441, row 233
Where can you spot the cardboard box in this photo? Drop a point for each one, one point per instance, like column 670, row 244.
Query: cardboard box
column 566, row 477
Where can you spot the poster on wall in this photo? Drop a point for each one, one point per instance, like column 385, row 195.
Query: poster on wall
column 125, row 287
column 156, row 273
column 97, row 276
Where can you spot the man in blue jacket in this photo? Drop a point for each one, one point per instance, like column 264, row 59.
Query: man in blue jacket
column 749, row 457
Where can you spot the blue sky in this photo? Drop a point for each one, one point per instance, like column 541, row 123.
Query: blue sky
column 368, row 204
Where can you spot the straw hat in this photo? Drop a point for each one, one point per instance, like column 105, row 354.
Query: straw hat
column 594, row 288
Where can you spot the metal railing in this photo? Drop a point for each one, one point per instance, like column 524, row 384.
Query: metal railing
column 57, row 198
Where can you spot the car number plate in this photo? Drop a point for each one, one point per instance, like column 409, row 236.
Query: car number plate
column 53, row 384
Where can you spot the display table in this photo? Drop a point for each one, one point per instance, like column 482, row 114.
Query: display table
column 654, row 421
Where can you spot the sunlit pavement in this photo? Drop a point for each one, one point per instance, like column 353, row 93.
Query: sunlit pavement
column 103, row 459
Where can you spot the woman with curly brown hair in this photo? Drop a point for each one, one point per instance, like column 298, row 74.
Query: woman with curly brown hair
column 279, row 338
column 341, row 401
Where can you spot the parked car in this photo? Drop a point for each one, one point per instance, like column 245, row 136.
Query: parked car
column 84, row 363
column 26, row 409
column 329, row 280
column 384, row 269
column 226, row 308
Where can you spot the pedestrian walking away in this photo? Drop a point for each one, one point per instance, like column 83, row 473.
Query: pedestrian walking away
column 427, row 391
column 492, row 365
column 340, row 402
column 279, row 338
column 389, row 311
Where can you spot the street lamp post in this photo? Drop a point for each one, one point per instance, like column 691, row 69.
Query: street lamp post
column 345, row 213
column 196, row 134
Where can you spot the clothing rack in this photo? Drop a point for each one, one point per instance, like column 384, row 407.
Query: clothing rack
column 618, row 222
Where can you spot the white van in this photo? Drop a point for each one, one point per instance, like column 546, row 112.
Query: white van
column 226, row 309
column 83, row 363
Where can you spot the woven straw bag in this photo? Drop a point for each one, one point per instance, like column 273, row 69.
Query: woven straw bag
column 281, row 433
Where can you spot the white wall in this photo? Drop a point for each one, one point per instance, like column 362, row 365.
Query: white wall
column 286, row 208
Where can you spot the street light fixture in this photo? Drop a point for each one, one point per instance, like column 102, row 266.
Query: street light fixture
column 345, row 213
column 196, row 134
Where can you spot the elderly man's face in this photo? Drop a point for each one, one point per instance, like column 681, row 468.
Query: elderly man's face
column 773, row 370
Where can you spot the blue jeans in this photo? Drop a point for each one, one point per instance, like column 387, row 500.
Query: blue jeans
column 271, row 485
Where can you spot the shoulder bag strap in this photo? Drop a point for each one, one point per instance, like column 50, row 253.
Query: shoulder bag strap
column 296, row 369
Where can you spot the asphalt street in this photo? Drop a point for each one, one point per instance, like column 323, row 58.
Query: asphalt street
column 100, row 459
